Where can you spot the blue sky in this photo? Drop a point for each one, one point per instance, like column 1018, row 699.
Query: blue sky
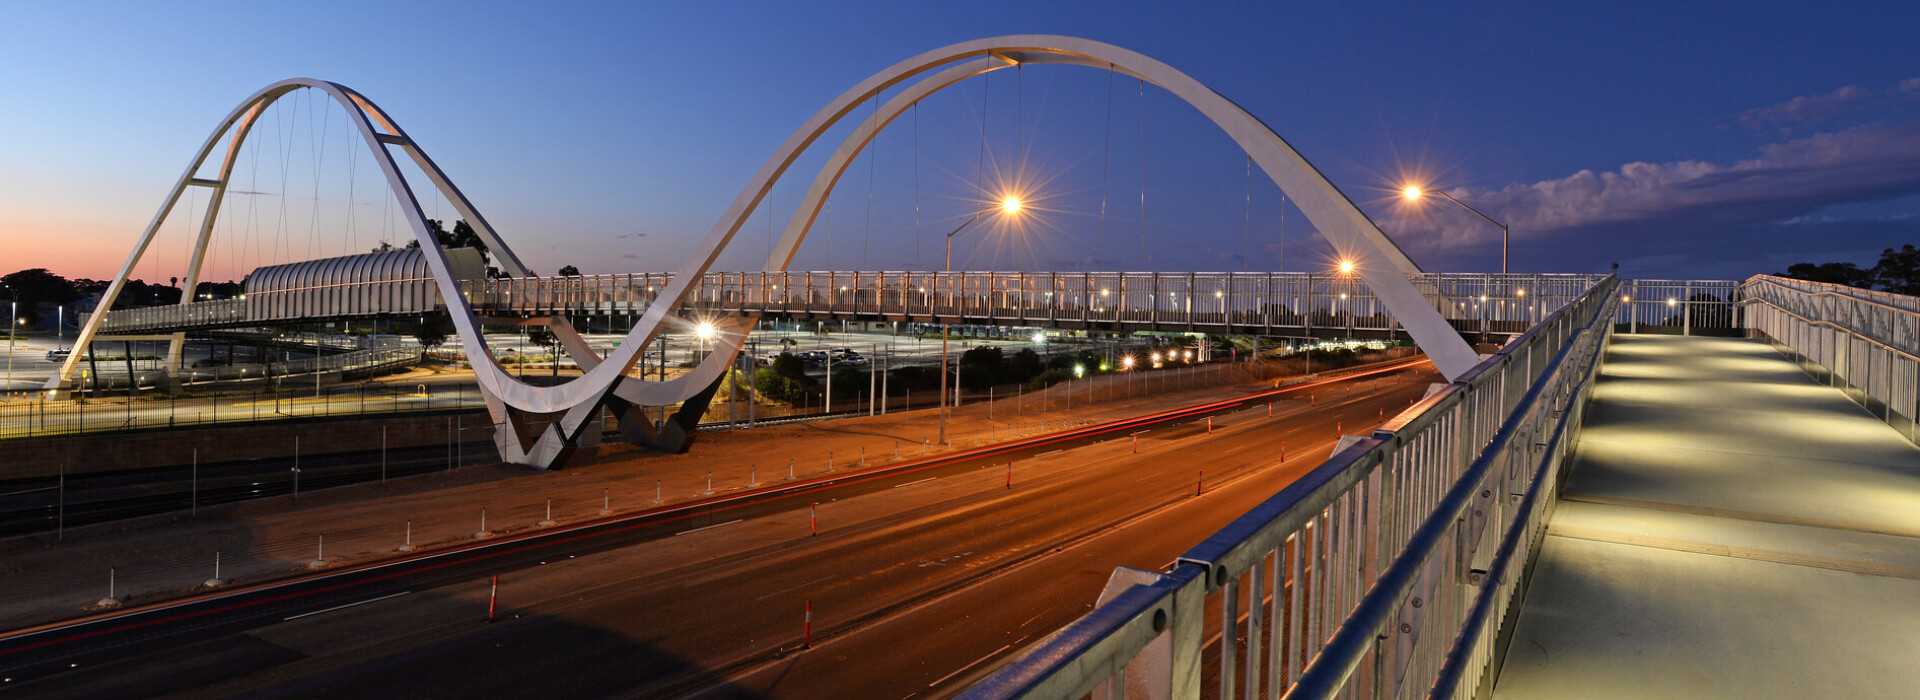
column 1679, row 139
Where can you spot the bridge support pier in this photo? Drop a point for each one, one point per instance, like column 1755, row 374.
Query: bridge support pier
column 675, row 435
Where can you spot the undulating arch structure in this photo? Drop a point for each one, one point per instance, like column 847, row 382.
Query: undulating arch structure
column 542, row 424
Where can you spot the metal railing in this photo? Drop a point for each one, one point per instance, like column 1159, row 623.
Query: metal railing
column 1251, row 301
column 1269, row 303
column 1863, row 341
column 1680, row 307
column 1381, row 572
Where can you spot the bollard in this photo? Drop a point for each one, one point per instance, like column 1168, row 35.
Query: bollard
column 1283, row 452
column 1009, row 475
column 896, row 449
column 1339, row 429
column 709, row 490
column 656, row 492
column 320, row 554
column 606, row 501
column 1313, row 399
column 789, row 469
column 216, row 581
column 1200, row 483
column 753, row 476
column 493, row 596
column 806, row 634
column 113, row 598
column 863, row 456
column 483, row 525
column 406, row 545
column 548, row 522
column 829, row 461
column 1136, row 443
column 923, row 446
column 813, row 519
column 1209, row 425
column 1383, row 413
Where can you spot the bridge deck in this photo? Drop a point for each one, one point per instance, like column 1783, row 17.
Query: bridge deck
column 1729, row 529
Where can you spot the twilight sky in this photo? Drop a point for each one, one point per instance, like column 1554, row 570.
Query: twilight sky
column 1678, row 139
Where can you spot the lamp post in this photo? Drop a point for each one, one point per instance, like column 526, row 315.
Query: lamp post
column 1413, row 193
column 1010, row 206
column 13, row 324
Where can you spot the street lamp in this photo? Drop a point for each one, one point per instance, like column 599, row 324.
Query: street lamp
column 13, row 318
column 1413, row 193
column 1009, row 206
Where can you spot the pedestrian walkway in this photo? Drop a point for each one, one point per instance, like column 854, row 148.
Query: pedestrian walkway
column 1729, row 529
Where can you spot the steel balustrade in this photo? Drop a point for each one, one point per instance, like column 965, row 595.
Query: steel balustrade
column 1267, row 303
column 1380, row 570
column 1684, row 307
column 1863, row 341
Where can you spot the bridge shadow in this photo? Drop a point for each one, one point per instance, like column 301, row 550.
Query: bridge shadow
column 403, row 648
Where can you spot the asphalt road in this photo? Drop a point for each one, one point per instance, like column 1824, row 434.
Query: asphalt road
column 921, row 578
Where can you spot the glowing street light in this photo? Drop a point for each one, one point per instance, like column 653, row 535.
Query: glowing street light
column 1009, row 206
column 1412, row 194
column 1346, row 267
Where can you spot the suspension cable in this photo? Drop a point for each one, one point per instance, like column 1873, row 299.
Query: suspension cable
column 353, row 237
column 1143, row 174
column 1246, row 232
column 916, row 185
column 318, row 152
column 1100, row 248
column 283, row 144
column 1280, row 247
column 980, row 167
column 866, row 238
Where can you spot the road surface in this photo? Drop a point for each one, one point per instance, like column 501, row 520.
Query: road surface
column 920, row 579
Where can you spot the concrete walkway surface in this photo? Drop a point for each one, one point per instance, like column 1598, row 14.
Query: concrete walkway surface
column 1729, row 529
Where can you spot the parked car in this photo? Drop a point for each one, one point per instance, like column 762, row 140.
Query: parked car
column 58, row 355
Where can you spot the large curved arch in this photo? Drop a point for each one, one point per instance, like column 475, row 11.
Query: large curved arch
column 1383, row 266
column 1378, row 260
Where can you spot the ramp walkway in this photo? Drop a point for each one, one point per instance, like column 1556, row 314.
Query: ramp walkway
column 1729, row 528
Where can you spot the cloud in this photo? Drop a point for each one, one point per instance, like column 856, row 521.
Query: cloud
column 1866, row 163
column 1842, row 107
column 1805, row 110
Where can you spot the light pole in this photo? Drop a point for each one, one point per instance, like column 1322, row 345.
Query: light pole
column 13, row 323
column 1413, row 193
column 1010, row 206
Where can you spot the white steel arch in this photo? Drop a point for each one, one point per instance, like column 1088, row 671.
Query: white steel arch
column 566, row 409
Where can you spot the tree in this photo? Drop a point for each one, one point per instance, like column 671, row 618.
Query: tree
column 789, row 365
column 432, row 334
column 1025, row 364
column 569, row 271
column 982, row 367
column 544, row 337
column 1899, row 270
column 36, row 285
column 1844, row 273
